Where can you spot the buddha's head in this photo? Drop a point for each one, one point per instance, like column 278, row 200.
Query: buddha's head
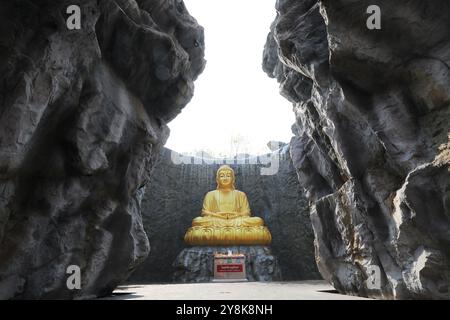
column 225, row 177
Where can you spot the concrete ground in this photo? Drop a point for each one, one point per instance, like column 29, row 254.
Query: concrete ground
column 303, row 290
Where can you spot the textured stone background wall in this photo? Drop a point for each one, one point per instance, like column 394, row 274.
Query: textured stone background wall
column 372, row 138
column 175, row 195
column 83, row 114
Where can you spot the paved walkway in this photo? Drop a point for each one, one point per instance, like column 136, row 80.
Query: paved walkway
column 303, row 290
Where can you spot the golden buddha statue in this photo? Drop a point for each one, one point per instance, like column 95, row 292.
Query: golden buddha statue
column 226, row 217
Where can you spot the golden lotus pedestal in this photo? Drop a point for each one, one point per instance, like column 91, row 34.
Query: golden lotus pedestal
column 228, row 236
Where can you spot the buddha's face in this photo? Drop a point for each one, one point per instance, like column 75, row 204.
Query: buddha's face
column 225, row 178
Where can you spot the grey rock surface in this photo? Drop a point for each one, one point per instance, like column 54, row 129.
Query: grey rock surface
column 82, row 118
column 371, row 138
column 175, row 194
column 196, row 264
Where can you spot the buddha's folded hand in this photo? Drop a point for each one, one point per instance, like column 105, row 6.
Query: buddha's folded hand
column 220, row 215
column 231, row 215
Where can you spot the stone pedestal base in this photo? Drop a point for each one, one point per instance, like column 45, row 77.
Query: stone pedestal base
column 196, row 264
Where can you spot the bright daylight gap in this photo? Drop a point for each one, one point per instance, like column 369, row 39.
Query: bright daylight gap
column 236, row 107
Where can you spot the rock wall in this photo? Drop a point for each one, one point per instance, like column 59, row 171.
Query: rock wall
column 82, row 118
column 175, row 196
column 372, row 138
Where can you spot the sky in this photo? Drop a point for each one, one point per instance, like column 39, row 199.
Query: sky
column 234, row 100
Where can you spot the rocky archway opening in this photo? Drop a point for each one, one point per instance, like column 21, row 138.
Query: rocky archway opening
column 232, row 92
column 80, row 131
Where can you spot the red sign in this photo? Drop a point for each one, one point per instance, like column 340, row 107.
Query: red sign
column 230, row 268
